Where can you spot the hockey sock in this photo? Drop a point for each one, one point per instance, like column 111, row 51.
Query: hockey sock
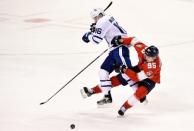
column 96, row 89
column 126, row 105
column 115, row 81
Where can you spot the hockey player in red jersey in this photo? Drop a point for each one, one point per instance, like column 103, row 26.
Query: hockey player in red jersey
column 144, row 75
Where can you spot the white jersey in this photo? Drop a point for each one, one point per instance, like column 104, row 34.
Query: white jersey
column 106, row 28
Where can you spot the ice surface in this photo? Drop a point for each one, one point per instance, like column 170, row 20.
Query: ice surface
column 41, row 50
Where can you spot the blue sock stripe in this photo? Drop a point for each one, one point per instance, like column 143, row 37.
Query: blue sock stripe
column 106, row 85
column 104, row 80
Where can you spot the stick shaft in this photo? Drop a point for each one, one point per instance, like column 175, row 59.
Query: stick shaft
column 108, row 6
column 74, row 77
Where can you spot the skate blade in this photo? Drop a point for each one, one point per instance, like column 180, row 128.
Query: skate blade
column 84, row 95
column 120, row 117
column 145, row 102
column 104, row 105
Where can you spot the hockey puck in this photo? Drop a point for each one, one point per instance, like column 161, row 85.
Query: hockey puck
column 72, row 126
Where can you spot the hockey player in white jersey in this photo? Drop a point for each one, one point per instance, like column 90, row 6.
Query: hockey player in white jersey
column 106, row 27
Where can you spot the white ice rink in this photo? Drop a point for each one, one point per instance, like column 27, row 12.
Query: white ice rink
column 41, row 49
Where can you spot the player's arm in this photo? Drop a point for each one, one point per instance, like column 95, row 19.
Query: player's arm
column 138, row 73
column 100, row 31
column 92, row 37
column 135, row 76
column 128, row 41
column 95, row 39
column 132, row 72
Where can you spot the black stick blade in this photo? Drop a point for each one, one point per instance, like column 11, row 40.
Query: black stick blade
column 42, row 103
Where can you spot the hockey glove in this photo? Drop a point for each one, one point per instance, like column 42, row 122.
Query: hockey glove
column 116, row 41
column 119, row 69
column 85, row 37
column 92, row 27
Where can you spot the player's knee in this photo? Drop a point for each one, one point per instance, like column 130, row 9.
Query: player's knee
column 141, row 92
column 104, row 75
column 144, row 87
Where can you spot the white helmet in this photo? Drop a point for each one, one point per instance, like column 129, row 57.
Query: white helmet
column 97, row 11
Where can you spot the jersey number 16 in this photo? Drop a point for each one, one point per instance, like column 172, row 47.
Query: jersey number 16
column 98, row 30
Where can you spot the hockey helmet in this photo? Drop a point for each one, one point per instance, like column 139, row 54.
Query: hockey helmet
column 96, row 12
column 152, row 51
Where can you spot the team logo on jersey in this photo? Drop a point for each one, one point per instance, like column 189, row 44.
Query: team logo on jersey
column 149, row 74
column 142, row 51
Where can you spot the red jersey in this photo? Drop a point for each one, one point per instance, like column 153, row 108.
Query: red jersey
column 150, row 69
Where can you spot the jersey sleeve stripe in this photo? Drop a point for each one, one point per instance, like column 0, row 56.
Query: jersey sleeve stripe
column 96, row 39
column 104, row 80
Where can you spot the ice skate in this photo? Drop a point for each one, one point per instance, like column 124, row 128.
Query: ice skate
column 106, row 101
column 144, row 100
column 121, row 111
column 85, row 92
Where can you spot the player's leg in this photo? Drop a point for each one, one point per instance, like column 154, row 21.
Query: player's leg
column 87, row 92
column 135, row 87
column 105, row 82
column 144, row 87
column 133, row 100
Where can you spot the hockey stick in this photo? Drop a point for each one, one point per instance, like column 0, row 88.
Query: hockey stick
column 108, row 6
column 74, row 77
